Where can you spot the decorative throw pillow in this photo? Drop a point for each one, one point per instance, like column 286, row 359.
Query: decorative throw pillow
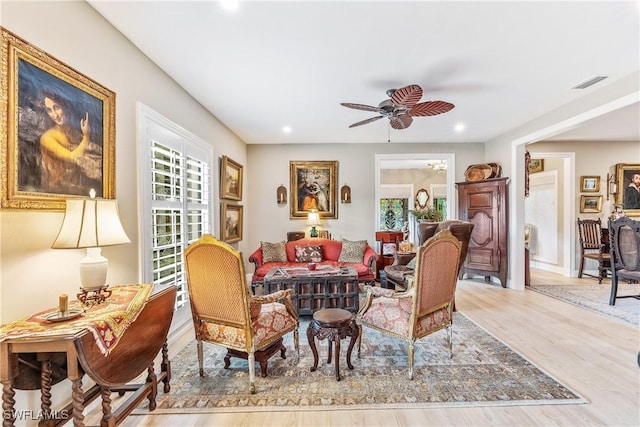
column 352, row 251
column 273, row 252
column 308, row 253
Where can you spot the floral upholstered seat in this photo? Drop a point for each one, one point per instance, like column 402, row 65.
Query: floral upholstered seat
column 426, row 306
column 223, row 309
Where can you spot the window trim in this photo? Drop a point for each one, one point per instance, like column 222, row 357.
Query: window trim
column 152, row 125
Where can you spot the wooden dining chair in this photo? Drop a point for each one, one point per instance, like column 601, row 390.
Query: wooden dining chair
column 594, row 247
column 625, row 255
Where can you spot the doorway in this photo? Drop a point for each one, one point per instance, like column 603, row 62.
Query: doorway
column 445, row 165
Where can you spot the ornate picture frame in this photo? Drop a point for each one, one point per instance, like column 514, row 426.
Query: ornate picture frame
column 314, row 185
column 536, row 165
column 60, row 137
column 625, row 173
column 589, row 184
column 230, row 179
column 590, row 204
column 231, row 222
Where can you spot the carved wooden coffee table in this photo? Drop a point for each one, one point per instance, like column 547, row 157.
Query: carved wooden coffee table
column 333, row 324
column 325, row 287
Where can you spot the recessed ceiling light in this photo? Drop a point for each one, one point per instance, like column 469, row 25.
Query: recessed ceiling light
column 230, row 5
column 459, row 127
column 286, row 129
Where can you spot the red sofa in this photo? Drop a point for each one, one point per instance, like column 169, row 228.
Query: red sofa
column 331, row 253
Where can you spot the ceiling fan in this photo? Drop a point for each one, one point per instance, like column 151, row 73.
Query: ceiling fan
column 401, row 107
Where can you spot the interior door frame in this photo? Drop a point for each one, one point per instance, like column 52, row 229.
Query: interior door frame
column 450, row 158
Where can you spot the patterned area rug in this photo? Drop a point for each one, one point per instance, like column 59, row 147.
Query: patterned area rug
column 595, row 297
column 483, row 372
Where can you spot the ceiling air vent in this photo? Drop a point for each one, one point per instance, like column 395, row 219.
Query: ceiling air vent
column 589, row 82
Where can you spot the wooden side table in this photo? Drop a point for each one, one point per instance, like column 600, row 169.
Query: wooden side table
column 333, row 324
column 134, row 354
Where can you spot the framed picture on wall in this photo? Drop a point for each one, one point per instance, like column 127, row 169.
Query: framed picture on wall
column 314, row 186
column 536, row 165
column 231, row 222
column 628, row 188
column 589, row 184
column 59, row 141
column 590, row 204
column 230, row 179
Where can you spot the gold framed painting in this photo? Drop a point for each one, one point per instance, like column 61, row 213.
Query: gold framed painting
column 231, row 222
column 314, row 186
column 324, row 234
column 628, row 188
column 536, row 165
column 59, row 142
column 230, row 179
column 590, row 184
column 590, row 204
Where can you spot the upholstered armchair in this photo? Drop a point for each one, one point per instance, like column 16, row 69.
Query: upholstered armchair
column 426, row 306
column 402, row 267
column 224, row 311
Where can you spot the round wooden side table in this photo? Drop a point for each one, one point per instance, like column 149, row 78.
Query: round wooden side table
column 333, row 324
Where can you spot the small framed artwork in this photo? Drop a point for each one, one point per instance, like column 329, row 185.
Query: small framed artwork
column 314, row 186
column 231, row 223
column 536, row 165
column 590, row 184
column 59, row 141
column 590, row 204
column 628, row 188
column 324, row 234
column 230, row 179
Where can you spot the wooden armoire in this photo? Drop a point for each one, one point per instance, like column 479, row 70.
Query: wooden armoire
column 485, row 204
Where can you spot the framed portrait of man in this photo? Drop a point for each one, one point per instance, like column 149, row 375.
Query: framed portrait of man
column 60, row 138
column 628, row 187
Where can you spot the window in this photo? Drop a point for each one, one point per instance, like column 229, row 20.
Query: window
column 176, row 205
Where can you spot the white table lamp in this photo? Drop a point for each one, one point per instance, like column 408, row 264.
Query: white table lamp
column 91, row 223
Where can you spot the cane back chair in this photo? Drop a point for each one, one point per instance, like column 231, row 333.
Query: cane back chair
column 426, row 306
column 593, row 246
column 223, row 309
column 624, row 236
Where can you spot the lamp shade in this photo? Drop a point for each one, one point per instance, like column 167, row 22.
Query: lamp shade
column 90, row 223
column 313, row 218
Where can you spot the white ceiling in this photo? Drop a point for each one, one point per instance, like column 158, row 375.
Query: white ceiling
column 277, row 63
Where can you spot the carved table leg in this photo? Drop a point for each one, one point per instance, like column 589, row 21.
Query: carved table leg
column 153, row 379
column 107, row 415
column 78, row 401
column 9, row 372
column 311, row 332
column 45, row 387
column 355, row 334
column 8, row 403
column 165, row 367
column 336, row 337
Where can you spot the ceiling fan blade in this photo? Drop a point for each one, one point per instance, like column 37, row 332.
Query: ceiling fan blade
column 364, row 122
column 407, row 96
column 403, row 121
column 431, row 108
column 360, row 106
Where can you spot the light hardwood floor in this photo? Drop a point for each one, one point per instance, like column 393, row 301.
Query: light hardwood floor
column 593, row 355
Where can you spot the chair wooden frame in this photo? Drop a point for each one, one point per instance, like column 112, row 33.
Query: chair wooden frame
column 624, row 236
column 593, row 246
column 223, row 308
column 430, row 297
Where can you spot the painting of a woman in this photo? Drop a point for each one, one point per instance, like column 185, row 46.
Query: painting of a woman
column 313, row 186
column 59, row 135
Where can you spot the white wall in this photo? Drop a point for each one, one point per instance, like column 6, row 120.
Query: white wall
column 269, row 168
column 31, row 274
